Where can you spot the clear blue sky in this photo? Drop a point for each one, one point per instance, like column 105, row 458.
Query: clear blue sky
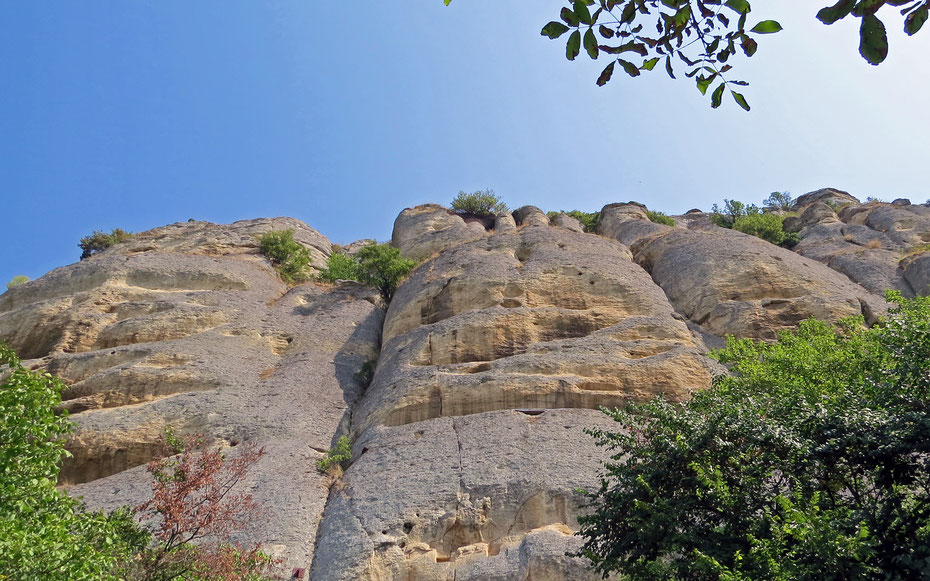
column 140, row 113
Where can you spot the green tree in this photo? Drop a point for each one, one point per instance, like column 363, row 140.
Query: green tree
column 290, row 258
column 811, row 461
column 16, row 281
column 779, row 201
column 381, row 266
column 44, row 533
column 479, row 203
column 732, row 210
column 705, row 36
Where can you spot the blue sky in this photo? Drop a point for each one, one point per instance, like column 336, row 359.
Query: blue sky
column 140, row 113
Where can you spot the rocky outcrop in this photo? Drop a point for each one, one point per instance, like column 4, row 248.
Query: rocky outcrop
column 187, row 326
column 730, row 283
column 423, row 231
column 493, row 357
column 877, row 245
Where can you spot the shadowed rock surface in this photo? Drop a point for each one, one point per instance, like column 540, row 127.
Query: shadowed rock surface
column 491, row 360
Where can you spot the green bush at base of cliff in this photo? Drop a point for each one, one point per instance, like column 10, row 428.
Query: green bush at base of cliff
column 290, row 258
column 811, row 461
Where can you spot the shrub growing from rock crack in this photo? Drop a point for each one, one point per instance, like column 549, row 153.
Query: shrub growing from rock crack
column 290, row 258
column 340, row 455
column 16, row 281
column 340, row 266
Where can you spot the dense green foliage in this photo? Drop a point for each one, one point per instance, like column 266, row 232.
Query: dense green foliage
column 340, row 266
column 377, row 265
column 99, row 241
column 705, row 36
column 750, row 219
column 366, row 372
column 479, row 203
column 767, row 227
column 340, row 456
column 44, row 533
column 17, row 280
column 290, row 258
column 381, row 266
column 811, row 461
column 660, row 218
column 589, row 220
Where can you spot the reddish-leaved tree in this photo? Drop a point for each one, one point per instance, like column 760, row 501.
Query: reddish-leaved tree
column 195, row 510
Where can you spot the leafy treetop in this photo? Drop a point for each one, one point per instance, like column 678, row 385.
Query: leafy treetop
column 479, row 203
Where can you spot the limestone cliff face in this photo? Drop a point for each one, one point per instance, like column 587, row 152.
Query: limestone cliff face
column 493, row 357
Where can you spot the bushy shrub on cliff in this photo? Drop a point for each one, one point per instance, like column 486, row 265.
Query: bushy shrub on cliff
column 99, row 241
column 479, row 203
column 811, row 461
column 290, row 258
column 16, row 281
column 340, row 266
column 588, row 220
column 750, row 219
column 767, row 227
column 660, row 218
column 780, row 201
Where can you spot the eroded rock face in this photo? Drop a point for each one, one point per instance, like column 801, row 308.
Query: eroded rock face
column 495, row 355
column 732, row 283
column 492, row 358
column 423, row 231
column 485, row 496
column 877, row 245
column 196, row 332
column 538, row 318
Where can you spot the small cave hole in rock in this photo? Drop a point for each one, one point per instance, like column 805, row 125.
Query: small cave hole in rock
column 383, row 531
column 402, row 544
column 531, row 412
column 233, row 443
column 408, row 526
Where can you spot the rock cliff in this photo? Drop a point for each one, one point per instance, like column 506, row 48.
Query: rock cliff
column 492, row 358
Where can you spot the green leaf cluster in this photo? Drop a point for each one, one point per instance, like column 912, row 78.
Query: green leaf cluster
column 340, row 455
column 810, row 461
column 44, row 533
column 660, row 218
column 481, row 203
column 705, row 36
column 589, row 220
column 290, row 258
column 17, row 280
column 98, row 241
